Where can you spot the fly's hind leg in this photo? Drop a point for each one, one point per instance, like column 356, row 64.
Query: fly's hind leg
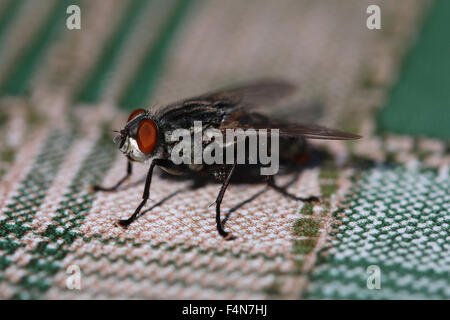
column 119, row 183
column 271, row 183
column 220, row 228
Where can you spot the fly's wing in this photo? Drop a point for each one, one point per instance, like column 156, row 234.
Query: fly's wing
column 229, row 109
column 262, row 92
column 257, row 93
column 243, row 120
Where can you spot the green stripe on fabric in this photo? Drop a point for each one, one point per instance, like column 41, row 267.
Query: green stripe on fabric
column 419, row 103
column 94, row 86
column 21, row 209
column 20, row 75
column 306, row 228
column 394, row 219
column 139, row 90
column 55, row 241
column 7, row 16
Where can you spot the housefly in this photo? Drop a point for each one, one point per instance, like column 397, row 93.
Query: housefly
column 146, row 136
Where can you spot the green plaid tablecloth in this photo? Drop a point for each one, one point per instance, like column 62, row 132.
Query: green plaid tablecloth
column 385, row 198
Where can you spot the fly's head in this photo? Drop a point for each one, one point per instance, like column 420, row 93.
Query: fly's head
column 139, row 139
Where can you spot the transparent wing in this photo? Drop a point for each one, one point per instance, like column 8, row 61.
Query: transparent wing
column 263, row 92
column 311, row 131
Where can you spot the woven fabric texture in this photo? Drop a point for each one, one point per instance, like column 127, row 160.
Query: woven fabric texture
column 384, row 199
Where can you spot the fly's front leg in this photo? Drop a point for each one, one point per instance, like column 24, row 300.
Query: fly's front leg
column 126, row 222
column 283, row 191
column 119, row 183
column 226, row 235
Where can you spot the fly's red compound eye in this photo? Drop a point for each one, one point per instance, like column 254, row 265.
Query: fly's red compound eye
column 147, row 136
column 134, row 114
